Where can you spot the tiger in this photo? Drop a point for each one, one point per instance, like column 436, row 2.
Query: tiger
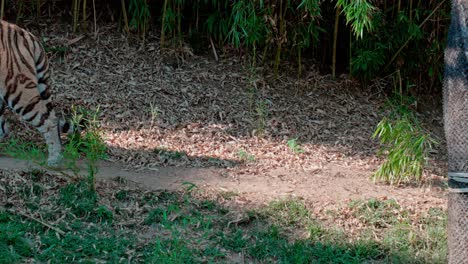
column 25, row 88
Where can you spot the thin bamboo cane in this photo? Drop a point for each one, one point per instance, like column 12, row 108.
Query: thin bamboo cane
column 280, row 39
column 124, row 14
column 2, row 8
column 411, row 37
column 38, row 8
column 84, row 11
column 75, row 15
column 95, row 22
column 163, row 24
column 335, row 40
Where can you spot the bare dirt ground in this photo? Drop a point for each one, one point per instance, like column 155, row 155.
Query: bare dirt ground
column 177, row 119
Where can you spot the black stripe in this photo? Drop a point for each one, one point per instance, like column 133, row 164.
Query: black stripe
column 5, row 97
column 14, row 44
column 26, row 43
column 41, row 58
column 30, row 85
column 44, row 79
column 49, row 106
column 31, row 69
column 66, row 127
column 34, row 49
column 3, row 126
column 16, row 100
column 4, row 43
column 10, row 67
column 31, row 118
column 43, row 119
column 45, row 94
column 31, row 105
column 1, row 33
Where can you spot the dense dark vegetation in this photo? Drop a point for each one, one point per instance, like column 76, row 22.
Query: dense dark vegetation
column 368, row 39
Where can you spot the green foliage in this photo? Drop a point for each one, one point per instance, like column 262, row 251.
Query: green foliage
column 79, row 198
column 247, row 25
column 217, row 23
column 401, row 237
column 13, row 243
column 91, row 143
column 165, row 154
column 173, row 227
column 245, row 156
column 378, row 213
column 294, row 146
column 173, row 250
column 287, row 212
column 398, row 42
column 17, row 148
column 261, row 112
column 384, row 36
column 359, row 14
column 405, row 144
column 367, row 63
column 139, row 15
column 311, row 6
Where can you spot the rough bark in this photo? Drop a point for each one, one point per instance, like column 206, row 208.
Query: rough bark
column 456, row 131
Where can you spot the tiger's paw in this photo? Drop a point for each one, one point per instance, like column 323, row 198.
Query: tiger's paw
column 54, row 162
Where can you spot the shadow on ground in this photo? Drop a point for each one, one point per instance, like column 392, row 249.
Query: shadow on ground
column 119, row 222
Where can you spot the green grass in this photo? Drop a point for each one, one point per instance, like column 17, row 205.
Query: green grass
column 52, row 218
column 404, row 143
column 88, row 145
column 244, row 156
column 18, row 148
column 294, row 146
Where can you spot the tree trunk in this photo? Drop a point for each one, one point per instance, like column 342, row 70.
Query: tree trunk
column 456, row 131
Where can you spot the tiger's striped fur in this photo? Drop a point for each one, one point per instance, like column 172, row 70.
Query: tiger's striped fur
column 25, row 89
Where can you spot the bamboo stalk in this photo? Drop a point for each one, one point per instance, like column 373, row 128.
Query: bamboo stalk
column 265, row 49
column 84, row 11
column 163, row 24
column 124, row 14
column 280, row 40
column 95, row 22
column 179, row 25
column 20, row 10
column 299, row 62
column 2, row 8
column 254, row 55
column 197, row 18
column 215, row 54
column 38, row 8
column 174, row 31
column 411, row 37
column 350, row 50
column 75, row 15
column 335, row 40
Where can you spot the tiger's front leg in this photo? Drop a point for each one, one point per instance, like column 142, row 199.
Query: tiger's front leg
column 4, row 130
column 41, row 115
column 51, row 133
